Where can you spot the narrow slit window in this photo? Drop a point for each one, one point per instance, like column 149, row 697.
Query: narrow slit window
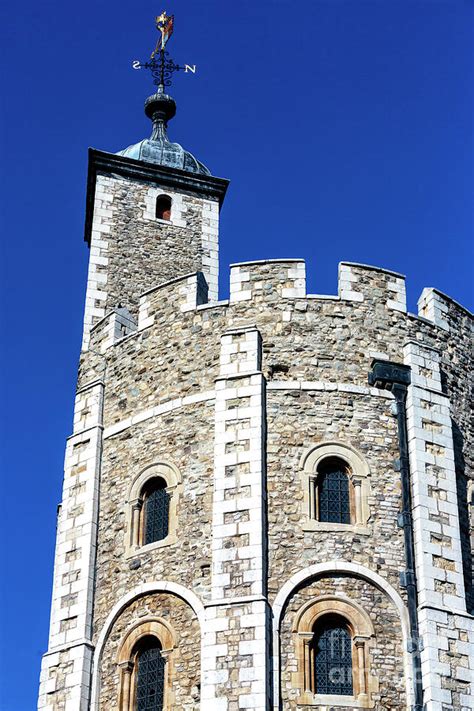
column 163, row 207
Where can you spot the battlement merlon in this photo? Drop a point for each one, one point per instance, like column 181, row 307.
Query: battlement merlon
column 185, row 292
column 267, row 279
column 101, row 162
column 439, row 308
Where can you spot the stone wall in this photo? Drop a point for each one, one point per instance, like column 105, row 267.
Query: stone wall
column 166, row 386
column 299, row 419
column 180, row 437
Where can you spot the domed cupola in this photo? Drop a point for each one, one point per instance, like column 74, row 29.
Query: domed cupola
column 158, row 149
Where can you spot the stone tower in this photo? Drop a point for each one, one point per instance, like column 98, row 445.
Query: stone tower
column 265, row 500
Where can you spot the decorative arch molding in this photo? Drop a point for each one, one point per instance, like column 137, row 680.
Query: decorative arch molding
column 358, row 473
column 319, row 570
column 166, row 470
column 333, row 448
column 171, row 475
column 147, row 626
column 308, row 615
column 159, row 586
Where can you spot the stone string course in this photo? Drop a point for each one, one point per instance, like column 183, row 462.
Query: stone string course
column 234, row 394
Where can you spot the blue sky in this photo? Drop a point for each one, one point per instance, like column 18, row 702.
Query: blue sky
column 345, row 127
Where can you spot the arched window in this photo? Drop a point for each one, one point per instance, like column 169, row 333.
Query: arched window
column 331, row 652
column 153, row 508
column 155, row 511
column 333, row 500
column 333, row 637
column 336, row 480
column 150, row 676
column 145, row 664
column 163, row 207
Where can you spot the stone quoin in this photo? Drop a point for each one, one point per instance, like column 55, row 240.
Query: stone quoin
column 266, row 498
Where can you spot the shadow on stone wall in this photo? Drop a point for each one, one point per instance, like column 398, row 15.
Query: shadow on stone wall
column 463, row 510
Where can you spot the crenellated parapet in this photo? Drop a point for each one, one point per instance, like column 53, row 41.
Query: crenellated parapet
column 239, row 390
column 270, row 282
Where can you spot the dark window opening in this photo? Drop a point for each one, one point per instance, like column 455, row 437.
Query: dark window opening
column 150, row 676
column 163, row 207
column 333, row 493
column 332, row 657
column 156, row 514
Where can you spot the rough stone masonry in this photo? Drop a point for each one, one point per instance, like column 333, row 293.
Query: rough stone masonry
column 237, row 404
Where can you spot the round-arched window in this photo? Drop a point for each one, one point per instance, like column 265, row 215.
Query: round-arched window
column 150, row 676
column 156, row 505
column 333, row 499
column 331, row 652
column 163, row 207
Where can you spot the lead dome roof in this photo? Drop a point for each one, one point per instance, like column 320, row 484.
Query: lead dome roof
column 158, row 149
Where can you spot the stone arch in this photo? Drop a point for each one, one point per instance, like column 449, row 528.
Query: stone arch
column 334, row 448
column 318, row 570
column 155, row 626
column 140, row 591
column 128, row 653
column 166, row 470
column 332, row 604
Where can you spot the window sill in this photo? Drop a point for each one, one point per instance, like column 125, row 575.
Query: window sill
column 321, row 526
column 141, row 550
column 320, row 700
column 173, row 223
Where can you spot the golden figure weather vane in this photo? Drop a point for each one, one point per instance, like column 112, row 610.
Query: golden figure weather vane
column 165, row 25
column 160, row 64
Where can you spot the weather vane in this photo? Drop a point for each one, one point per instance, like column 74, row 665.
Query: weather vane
column 160, row 64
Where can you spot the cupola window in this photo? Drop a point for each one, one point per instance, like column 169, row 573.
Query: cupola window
column 163, row 207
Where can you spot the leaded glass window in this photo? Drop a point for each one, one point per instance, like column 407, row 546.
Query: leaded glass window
column 332, row 657
column 156, row 514
column 150, row 677
column 333, row 494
